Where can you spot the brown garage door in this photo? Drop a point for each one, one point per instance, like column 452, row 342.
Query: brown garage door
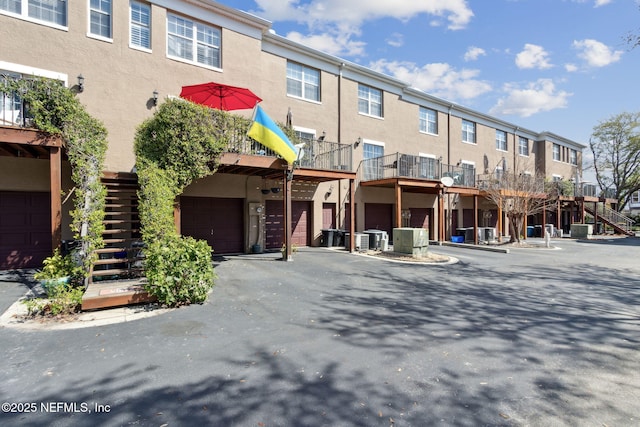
column 274, row 226
column 378, row 216
column 219, row 221
column 25, row 229
column 422, row 218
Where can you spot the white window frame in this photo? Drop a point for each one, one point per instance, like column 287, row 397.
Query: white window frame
column 501, row 144
column 428, row 121
column 102, row 13
column 310, row 89
column 369, row 100
column 194, row 27
column 556, row 152
column 573, row 156
column 24, row 14
column 468, row 165
column 556, row 178
column 372, row 169
column 466, row 132
column 521, row 146
column 425, row 170
column 139, row 24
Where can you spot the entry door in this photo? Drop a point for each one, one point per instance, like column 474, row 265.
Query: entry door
column 328, row 215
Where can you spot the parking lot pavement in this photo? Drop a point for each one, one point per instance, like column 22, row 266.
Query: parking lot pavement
column 531, row 338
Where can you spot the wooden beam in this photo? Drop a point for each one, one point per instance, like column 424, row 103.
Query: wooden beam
column 441, row 216
column 55, row 168
column 475, row 219
column 28, row 137
column 352, row 216
column 286, row 256
column 177, row 215
column 398, row 193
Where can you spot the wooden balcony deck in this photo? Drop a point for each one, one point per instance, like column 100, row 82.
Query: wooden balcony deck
column 115, row 294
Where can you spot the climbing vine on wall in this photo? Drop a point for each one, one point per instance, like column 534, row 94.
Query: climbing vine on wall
column 179, row 144
column 54, row 109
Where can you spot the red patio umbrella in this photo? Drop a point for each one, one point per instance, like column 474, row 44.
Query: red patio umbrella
column 220, row 96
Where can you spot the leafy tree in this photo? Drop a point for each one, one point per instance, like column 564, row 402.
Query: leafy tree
column 615, row 144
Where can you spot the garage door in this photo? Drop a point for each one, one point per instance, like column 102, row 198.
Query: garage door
column 25, row 229
column 219, row 221
column 422, row 218
column 274, row 225
column 378, row 216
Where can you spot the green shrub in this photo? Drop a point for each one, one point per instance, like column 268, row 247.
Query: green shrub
column 63, row 300
column 56, row 267
column 179, row 270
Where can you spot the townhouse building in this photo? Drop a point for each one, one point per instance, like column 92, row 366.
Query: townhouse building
column 376, row 148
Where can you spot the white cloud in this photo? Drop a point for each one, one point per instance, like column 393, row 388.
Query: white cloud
column 333, row 44
column 533, row 56
column 598, row 3
column 595, row 53
column 437, row 79
column 395, row 40
column 474, row 53
column 536, row 97
column 456, row 12
column 571, row 68
column 335, row 25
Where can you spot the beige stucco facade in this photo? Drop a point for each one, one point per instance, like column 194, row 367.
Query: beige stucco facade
column 119, row 81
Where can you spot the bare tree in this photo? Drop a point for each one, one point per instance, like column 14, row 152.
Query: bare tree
column 615, row 144
column 518, row 194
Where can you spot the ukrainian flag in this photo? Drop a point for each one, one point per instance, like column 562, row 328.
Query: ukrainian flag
column 266, row 132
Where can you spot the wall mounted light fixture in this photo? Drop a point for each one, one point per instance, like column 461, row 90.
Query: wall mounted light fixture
column 358, row 142
column 321, row 138
column 80, row 83
column 155, row 98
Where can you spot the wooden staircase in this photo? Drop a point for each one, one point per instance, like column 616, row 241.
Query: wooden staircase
column 116, row 276
column 622, row 224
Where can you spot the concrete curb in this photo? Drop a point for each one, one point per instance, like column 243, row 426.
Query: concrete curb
column 15, row 317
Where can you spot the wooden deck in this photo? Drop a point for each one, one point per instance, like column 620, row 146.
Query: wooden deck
column 114, row 294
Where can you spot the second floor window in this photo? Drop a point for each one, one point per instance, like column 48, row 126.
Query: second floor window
column 428, row 121
column 140, row 32
column 369, row 101
column 51, row 11
column 573, row 157
column 303, row 82
column 468, row 132
column 193, row 42
column 523, row 146
column 556, row 152
column 100, row 18
column 501, row 140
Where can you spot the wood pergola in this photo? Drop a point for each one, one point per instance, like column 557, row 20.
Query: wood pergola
column 33, row 144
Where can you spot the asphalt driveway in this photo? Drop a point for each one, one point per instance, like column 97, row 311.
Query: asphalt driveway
column 535, row 337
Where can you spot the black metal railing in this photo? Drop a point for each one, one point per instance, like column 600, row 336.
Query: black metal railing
column 315, row 154
column 401, row 165
column 507, row 181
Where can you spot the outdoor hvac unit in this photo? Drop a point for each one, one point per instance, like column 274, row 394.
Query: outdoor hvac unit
column 489, row 234
column 361, row 241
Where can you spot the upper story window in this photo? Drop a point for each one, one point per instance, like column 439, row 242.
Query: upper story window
column 523, row 146
column 140, row 30
column 573, row 157
column 369, row 101
column 556, row 152
column 428, row 121
column 501, row 140
column 468, row 132
column 100, row 18
column 303, row 82
column 50, row 11
column 635, row 197
column 193, row 41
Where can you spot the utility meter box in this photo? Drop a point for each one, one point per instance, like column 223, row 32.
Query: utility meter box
column 414, row 241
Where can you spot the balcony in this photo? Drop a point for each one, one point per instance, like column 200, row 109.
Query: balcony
column 509, row 181
column 414, row 167
column 316, row 154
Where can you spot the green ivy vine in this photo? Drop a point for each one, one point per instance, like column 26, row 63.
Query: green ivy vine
column 54, row 109
column 182, row 142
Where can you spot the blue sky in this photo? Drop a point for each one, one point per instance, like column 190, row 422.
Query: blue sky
column 546, row 65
